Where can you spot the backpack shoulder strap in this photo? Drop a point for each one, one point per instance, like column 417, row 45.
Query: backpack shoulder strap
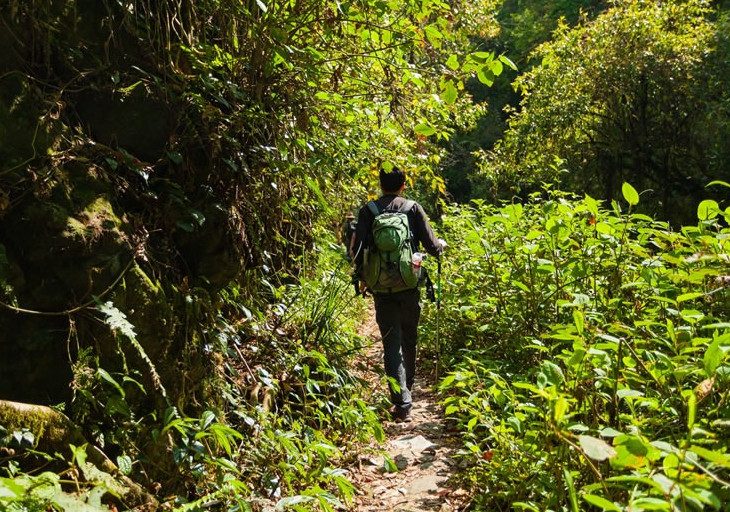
column 374, row 209
column 408, row 206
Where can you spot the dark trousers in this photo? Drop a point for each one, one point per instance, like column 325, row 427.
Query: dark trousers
column 397, row 315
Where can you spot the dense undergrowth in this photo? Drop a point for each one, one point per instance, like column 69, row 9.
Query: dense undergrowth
column 290, row 412
column 587, row 355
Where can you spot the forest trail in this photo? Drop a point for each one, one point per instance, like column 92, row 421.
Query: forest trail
column 422, row 450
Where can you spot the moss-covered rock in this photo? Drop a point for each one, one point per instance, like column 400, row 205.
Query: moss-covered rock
column 135, row 120
column 26, row 128
column 130, row 176
column 68, row 250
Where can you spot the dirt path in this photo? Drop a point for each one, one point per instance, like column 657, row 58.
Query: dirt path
column 421, row 450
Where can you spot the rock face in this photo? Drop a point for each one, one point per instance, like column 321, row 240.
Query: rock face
column 58, row 249
column 127, row 176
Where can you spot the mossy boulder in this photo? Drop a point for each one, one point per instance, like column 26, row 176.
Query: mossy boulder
column 67, row 249
column 61, row 247
column 28, row 123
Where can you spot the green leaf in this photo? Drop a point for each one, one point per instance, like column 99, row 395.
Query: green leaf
column 629, row 393
column 390, row 466
column 117, row 320
column 508, row 62
column 482, row 56
column 433, row 35
column 451, row 409
column 630, row 194
column 646, row 503
column 633, row 452
column 553, row 373
column 10, row 489
column 610, row 432
column 472, row 423
column 314, row 187
column 113, row 164
column 571, row 489
column 425, row 129
column 713, row 357
column 718, row 325
column 486, row 77
column 718, row 183
column 78, row 454
column 185, row 225
column 101, row 372
column 453, row 62
column 124, row 463
column 561, row 408
column 206, row 419
column 291, row 501
column 691, row 316
column 596, row 449
column 450, row 93
column 689, row 296
column 720, row 459
column 602, row 503
column 579, row 321
column 691, row 410
column 707, row 209
column 222, row 438
column 175, row 157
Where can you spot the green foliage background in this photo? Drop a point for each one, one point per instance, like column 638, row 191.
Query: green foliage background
column 587, row 355
column 623, row 91
column 171, row 174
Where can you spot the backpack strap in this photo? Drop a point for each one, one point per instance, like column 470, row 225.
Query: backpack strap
column 408, row 206
column 374, row 209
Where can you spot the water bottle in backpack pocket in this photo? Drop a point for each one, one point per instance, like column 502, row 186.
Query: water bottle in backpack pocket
column 416, row 261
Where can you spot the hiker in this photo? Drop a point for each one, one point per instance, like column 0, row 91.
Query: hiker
column 348, row 234
column 393, row 279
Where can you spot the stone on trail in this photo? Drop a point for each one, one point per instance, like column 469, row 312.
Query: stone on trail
column 414, row 444
column 427, row 484
column 376, row 461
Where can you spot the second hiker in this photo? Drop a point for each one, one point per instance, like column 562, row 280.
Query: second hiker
column 389, row 232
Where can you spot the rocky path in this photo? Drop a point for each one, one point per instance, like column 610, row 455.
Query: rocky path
column 413, row 474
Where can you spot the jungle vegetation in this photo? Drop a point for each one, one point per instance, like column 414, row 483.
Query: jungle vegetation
column 177, row 323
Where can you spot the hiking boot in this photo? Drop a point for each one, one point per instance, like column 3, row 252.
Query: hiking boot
column 402, row 416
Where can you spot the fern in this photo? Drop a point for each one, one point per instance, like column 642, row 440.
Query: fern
column 117, row 321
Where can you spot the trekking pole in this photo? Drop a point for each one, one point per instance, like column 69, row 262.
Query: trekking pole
column 438, row 317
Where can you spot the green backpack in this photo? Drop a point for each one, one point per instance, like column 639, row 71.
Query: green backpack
column 387, row 264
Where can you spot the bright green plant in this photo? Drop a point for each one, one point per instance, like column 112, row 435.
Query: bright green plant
column 589, row 351
column 44, row 492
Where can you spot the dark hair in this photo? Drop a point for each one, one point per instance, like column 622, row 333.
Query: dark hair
column 393, row 180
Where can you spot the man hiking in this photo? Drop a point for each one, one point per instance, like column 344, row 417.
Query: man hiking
column 348, row 234
column 388, row 234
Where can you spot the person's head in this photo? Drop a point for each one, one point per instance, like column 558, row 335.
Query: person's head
column 392, row 181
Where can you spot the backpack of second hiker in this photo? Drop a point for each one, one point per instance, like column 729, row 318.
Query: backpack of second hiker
column 387, row 264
